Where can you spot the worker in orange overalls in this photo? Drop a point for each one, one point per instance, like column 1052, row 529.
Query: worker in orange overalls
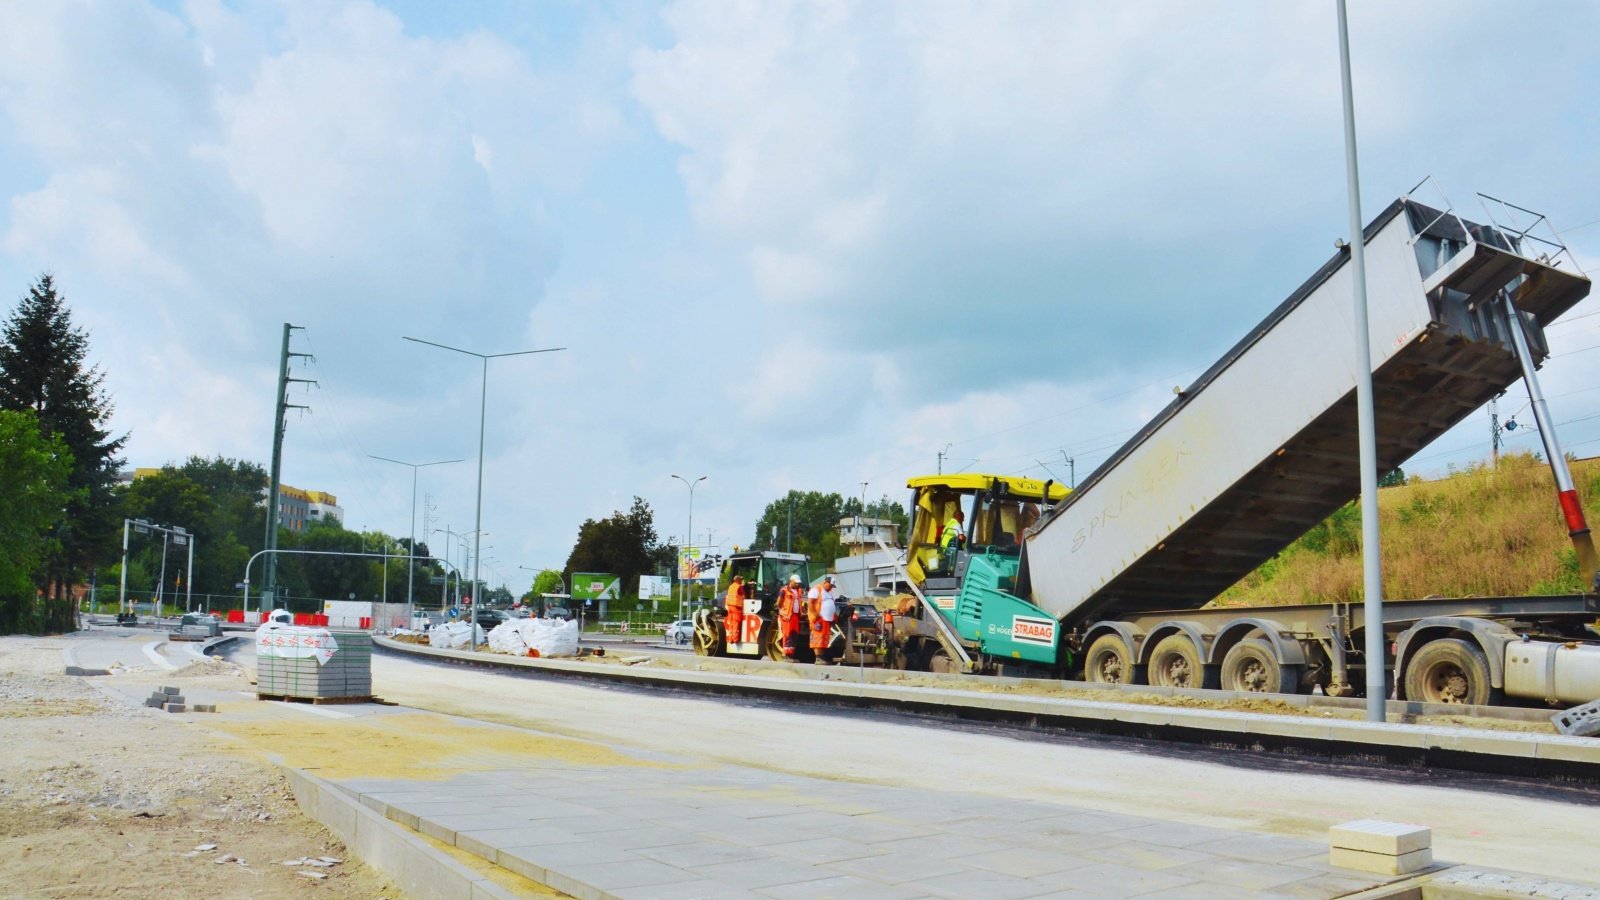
column 733, row 605
column 791, row 604
column 821, row 611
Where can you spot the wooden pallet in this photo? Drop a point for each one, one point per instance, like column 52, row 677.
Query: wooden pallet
column 318, row 701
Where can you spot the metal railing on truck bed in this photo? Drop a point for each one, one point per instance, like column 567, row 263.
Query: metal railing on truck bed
column 1262, row 446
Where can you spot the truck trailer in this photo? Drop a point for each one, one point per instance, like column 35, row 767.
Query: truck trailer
column 1109, row 584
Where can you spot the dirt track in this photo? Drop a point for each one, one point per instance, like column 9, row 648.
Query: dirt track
column 102, row 798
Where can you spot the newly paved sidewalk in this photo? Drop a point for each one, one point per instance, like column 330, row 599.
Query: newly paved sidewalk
column 672, row 828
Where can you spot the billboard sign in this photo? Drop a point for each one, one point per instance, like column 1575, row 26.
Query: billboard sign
column 588, row 586
column 651, row 586
column 695, row 564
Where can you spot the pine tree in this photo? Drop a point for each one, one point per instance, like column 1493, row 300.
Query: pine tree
column 43, row 368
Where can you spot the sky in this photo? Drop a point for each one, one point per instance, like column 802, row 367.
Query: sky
column 824, row 246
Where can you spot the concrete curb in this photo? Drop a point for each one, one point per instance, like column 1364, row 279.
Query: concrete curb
column 70, row 658
column 509, row 860
column 419, row 869
column 1474, row 750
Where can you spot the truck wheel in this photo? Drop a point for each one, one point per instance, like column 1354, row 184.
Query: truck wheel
column 1252, row 666
column 1108, row 661
column 1449, row 670
column 1175, row 662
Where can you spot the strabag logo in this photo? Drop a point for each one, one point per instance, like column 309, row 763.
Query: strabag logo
column 944, row 602
column 1031, row 630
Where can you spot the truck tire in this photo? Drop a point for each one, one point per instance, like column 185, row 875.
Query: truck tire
column 1252, row 666
column 1450, row 670
column 1175, row 662
column 1108, row 661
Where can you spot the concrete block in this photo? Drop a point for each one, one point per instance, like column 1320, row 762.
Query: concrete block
column 177, row 708
column 1377, row 836
column 1380, row 863
column 170, row 690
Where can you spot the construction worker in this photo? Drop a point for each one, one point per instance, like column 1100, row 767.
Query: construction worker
column 821, row 611
column 951, row 538
column 791, row 605
column 733, row 606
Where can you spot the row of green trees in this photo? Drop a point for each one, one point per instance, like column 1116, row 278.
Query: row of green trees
column 62, row 506
column 626, row 544
column 58, row 504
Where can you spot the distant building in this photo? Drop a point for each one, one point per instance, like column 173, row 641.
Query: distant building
column 325, row 507
column 859, row 535
column 298, row 508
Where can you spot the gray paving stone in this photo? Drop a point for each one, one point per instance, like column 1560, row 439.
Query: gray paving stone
column 1240, row 873
column 825, row 850
column 979, row 883
column 1261, row 848
column 893, row 868
column 611, row 876
column 943, row 846
column 1024, row 862
column 1319, row 887
column 841, row 887
column 631, row 836
column 1149, row 857
column 700, row 852
column 761, row 873
column 1112, row 880
column 488, row 842
column 1173, row 834
column 562, row 856
column 1069, row 842
column 700, row 889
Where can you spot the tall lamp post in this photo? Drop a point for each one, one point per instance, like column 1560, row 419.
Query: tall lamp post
column 690, row 532
column 1366, row 422
column 411, row 566
column 483, row 405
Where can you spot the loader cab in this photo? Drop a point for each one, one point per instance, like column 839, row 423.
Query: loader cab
column 998, row 511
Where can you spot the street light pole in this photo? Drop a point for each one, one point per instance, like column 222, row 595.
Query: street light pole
column 483, row 406
column 690, row 532
column 1366, row 422
column 411, row 565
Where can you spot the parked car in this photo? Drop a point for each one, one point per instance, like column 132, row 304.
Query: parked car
column 679, row 632
column 490, row 618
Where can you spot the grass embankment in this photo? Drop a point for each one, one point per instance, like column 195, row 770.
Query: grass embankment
column 1487, row 531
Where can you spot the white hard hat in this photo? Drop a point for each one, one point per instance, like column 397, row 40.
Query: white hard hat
column 795, row 579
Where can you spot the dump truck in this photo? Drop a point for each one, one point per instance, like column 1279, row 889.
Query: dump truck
column 1110, row 583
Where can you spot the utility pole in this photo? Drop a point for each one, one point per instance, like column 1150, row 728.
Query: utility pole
column 1494, row 432
column 270, row 584
column 941, row 455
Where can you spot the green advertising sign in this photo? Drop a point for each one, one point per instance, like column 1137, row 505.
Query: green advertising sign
column 594, row 586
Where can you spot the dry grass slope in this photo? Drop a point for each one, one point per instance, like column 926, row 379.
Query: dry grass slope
column 1486, row 531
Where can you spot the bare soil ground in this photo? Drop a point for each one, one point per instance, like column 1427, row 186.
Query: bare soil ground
column 103, row 798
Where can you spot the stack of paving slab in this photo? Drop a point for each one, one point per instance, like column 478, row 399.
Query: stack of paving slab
column 171, row 700
column 346, row 675
column 1387, row 848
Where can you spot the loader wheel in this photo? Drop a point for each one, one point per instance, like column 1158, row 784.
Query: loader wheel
column 707, row 635
column 1175, row 662
column 1450, row 670
column 1108, row 661
column 1252, row 666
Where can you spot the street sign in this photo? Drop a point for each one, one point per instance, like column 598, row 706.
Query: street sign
column 241, row 585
